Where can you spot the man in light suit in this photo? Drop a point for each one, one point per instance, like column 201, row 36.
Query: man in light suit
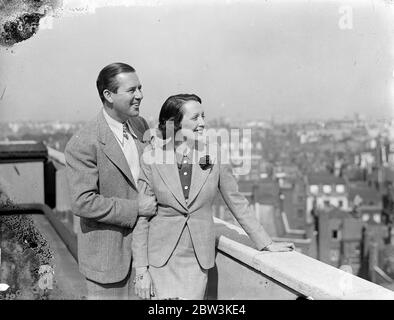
column 102, row 170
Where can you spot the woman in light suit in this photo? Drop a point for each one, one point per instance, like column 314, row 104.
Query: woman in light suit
column 173, row 251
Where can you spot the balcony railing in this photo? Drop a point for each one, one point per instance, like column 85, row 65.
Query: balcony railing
column 287, row 275
column 242, row 272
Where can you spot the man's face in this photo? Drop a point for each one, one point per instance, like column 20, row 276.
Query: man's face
column 126, row 101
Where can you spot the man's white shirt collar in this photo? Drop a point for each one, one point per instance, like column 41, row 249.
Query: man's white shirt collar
column 117, row 127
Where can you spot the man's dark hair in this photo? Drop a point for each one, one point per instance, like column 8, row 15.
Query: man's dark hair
column 172, row 111
column 106, row 78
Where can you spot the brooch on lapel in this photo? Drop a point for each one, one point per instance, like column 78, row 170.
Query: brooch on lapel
column 205, row 162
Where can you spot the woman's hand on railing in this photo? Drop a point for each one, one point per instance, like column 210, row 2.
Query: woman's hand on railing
column 143, row 284
column 280, row 247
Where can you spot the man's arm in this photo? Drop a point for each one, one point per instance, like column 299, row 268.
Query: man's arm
column 148, row 206
column 86, row 202
column 144, row 286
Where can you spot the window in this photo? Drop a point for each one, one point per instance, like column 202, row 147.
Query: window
column 327, row 188
column 365, row 217
column 340, row 188
column 335, row 234
column 314, row 189
column 376, row 217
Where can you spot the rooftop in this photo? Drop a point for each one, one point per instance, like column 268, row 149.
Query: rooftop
column 324, row 178
column 369, row 195
column 334, row 212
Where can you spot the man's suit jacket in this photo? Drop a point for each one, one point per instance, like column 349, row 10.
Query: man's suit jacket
column 104, row 194
column 155, row 240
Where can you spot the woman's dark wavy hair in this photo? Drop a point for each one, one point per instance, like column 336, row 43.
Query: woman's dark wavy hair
column 172, row 111
column 106, row 78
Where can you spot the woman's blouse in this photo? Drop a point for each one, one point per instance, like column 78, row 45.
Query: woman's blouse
column 185, row 174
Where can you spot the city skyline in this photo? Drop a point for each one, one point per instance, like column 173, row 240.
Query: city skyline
column 290, row 61
column 268, row 120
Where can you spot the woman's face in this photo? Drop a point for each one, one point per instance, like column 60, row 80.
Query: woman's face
column 193, row 122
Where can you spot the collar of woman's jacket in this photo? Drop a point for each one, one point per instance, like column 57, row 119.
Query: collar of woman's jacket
column 183, row 152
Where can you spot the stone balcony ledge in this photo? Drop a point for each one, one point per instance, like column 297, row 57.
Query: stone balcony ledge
column 306, row 276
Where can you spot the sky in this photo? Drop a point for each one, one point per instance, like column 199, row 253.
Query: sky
column 246, row 59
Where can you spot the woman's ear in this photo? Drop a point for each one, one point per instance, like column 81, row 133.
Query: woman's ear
column 108, row 96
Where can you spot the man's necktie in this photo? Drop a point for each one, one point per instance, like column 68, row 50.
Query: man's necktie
column 125, row 131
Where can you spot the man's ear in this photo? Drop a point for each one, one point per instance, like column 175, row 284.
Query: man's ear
column 108, row 96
